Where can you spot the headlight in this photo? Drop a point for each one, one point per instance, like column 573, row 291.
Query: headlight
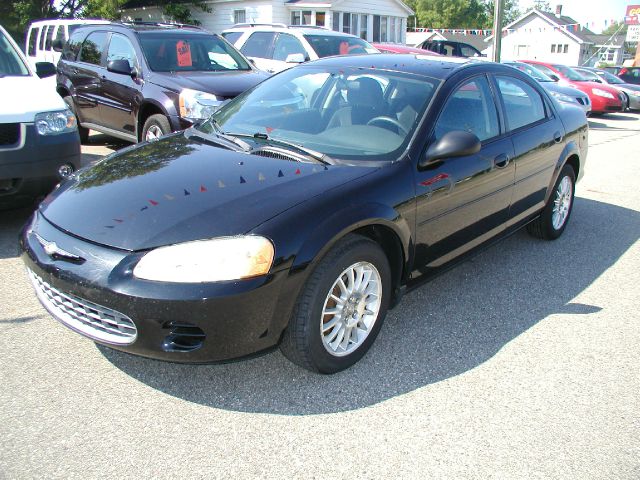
column 197, row 105
column 602, row 93
column 563, row 98
column 54, row 123
column 219, row 259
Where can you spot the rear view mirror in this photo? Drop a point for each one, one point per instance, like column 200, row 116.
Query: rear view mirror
column 57, row 45
column 120, row 66
column 457, row 143
column 295, row 58
column 45, row 69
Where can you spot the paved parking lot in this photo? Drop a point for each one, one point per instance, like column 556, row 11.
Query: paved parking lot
column 522, row 363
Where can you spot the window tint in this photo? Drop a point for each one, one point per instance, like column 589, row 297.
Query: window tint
column 121, row 49
column 286, row 45
column 232, row 37
column 47, row 45
column 32, row 41
column 93, row 47
column 72, row 47
column 258, row 44
column 522, row 103
column 471, row 108
column 43, row 36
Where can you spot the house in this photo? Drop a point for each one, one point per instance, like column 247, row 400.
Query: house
column 373, row 20
column 550, row 37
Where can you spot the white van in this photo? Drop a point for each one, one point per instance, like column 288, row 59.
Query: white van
column 39, row 140
column 42, row 34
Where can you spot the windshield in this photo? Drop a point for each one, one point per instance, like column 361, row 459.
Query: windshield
column 533, row 71
column 345, row 113
column 570, row 73
column 11, row 65
column 609, row 78
column 329, row 45
column 166, row 52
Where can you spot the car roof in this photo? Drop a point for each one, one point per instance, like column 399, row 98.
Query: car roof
column 147, row 27
column 280, row 27
column 427, row 65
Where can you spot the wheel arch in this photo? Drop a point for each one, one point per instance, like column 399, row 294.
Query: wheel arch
column 570, row 156
column 147, row 108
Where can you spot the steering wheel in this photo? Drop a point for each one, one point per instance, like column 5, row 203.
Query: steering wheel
column 390, row 120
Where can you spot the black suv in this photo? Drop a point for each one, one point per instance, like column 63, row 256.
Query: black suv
column 450, row 49
column 140, row 81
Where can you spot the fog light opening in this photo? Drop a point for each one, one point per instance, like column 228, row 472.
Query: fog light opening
column 65, row 170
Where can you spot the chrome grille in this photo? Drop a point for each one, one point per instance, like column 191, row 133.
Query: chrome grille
column 88, row 318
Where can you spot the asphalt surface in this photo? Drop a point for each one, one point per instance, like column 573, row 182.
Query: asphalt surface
column 522, row 363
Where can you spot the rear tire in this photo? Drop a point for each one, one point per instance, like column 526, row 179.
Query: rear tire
column 155, row 127
column 84, row 132
column 555, row 216
column 341, row 307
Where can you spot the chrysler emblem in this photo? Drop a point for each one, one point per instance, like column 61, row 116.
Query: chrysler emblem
column 52, row 249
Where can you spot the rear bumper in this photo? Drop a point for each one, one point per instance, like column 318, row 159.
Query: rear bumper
column 30, row 166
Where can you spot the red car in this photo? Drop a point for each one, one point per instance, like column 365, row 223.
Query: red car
column 604, row 99
column 397, row 48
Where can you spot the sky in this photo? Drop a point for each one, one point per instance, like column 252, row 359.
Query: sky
column 593, row 12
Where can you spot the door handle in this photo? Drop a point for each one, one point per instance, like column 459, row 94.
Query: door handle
column 501, row 160
column 557, row 137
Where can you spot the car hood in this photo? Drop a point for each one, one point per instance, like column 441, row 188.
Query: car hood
column 587, row 86
column 226, row 84
column 23, row 97
column 562, row 89
column 176, row 190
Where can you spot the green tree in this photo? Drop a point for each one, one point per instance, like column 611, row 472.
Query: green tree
column 613, row 28
column 542, row 5
column 511, row 12
column 451, row 13
column 107, row 9
column 17, row 14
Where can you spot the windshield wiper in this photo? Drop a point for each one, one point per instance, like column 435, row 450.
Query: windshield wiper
column 318, row 156
column 238, row 144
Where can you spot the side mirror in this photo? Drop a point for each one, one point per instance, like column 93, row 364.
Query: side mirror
column 553, row 77
column 295, row 58
column 57, row 44
column 120, row 66
column 45, row 69
column 457, row 143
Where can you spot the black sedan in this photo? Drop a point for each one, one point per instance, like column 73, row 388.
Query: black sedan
column 303, row 209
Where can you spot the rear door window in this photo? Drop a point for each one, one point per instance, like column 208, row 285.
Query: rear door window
column 523, row 105
column 50, row 31
column 287, row 45
column 33, row 37
column 93, row 47
column 259, row 44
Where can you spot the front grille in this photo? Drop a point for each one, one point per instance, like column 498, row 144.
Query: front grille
column 9, row 134
column 583, row 100
column 88, row 318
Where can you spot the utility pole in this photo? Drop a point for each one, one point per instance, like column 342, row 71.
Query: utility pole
column 497, row 30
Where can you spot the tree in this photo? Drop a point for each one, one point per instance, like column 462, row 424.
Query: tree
column 511, row 12
column 17, row 14
column 542, row 5
column 451, row 13
column 613, row 28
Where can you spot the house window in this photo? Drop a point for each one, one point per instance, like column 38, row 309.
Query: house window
column 376, row 28
column 336, row 21
column 346, row 22
column 553, row 48
column 392, row 29
column 301, row 17
column 566, row 48
column 364, row 22
column 320, row 19
column 384, row 37
column 239, row 16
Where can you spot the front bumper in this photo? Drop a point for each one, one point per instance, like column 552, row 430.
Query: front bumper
column 605, row 105
column 29, row 167
column 191, row 323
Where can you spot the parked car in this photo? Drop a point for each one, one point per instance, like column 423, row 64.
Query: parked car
column 604, row 99
column 39, row 143
column 562, row 93
column 140, row 81
column 42, row 34
column 276, row 47
column 397, row 48
column 298, row 218
column 630, row 75
column 630, row 91
column 450, row 48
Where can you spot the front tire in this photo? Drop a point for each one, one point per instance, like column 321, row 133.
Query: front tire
column 341, row 307
column 555, row 216
column 154, row 127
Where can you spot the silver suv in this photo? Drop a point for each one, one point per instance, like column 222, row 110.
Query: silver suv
column 276, row 47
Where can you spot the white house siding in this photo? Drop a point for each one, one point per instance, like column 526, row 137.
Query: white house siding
column 533, row 39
